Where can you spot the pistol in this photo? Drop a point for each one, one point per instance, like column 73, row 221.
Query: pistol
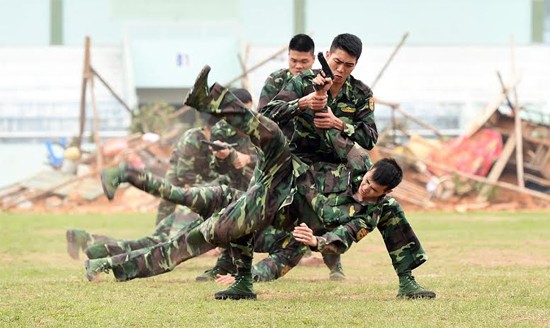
column 324, row 65
column 218, row 147
column 326, row 69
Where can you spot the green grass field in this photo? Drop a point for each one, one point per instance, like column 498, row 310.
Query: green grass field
column 488, row 269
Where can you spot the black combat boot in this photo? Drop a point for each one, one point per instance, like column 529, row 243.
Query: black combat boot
column 242, row 288
column 409, row 288
column 76, row 240
column 111, row 178
column 199, row 95
column 95, row 267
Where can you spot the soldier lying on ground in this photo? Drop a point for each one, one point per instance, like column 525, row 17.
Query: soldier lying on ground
column 191, row 164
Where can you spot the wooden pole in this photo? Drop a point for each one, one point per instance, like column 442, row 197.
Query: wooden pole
column 519, row 147
column 85, row 76
column 505, row 92
column 111, row 90
column 418, row 121
column 403, row 38
column 514, row 71
column 179, row 112
column 517, row 121
column 99, row 153
column 245, row 83
column 489, row 109
column 260, row 64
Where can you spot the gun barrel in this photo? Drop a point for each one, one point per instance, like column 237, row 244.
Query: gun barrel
column 217, row 146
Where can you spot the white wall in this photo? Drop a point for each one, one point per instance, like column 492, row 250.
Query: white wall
column 430, row 22
column 24, row 22
column 455, row 79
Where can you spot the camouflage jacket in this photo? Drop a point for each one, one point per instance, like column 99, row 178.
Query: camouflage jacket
column 273, row 85
column 354, row 105
column 190, row 159
column 239, row 178
column 344, row 220
column 337, row 217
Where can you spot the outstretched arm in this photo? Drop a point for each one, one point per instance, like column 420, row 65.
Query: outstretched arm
column 337, row 241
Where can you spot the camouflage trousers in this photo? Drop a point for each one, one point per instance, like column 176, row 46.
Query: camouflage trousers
column 234, row 226
column 402, row 244
column 284, row 254
column 104, row 246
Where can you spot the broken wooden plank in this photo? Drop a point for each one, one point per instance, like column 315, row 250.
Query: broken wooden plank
column 519, row 147
column 498, row 167
column 413, row 194
column 537, row 180
column 88, row 188
column 42, row 193
column 10, row 190
column 503, row 185
column 45, row 179
column 490, row 109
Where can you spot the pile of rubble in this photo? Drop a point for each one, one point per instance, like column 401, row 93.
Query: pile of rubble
column 501, row 163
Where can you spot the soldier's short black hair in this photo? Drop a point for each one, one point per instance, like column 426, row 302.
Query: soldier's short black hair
column 302, row 43
column 387, row 173
column 242, row 94
column 349, row 43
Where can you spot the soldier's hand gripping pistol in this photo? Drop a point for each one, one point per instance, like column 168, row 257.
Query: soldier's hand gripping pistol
column 217, row 146
column 324, row 65
column 327, row 72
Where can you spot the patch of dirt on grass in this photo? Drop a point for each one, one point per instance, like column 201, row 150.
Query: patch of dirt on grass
column 493, row 257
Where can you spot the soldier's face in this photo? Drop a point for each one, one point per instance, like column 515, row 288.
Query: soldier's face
column 341, row 63
column 370, row 189
column 299, row 61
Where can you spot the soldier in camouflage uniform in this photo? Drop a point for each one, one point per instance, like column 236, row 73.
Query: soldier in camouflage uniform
column 284, row 193
column 348, row 106
column 301, row 56
column 284, row 252
column 236, row 162
column 298, row 106
column 194, row 163
column 191, row 163
column 301, row 49
column 98, row 246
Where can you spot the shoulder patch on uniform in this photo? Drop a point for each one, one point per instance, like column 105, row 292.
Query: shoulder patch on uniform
column 285, row 270
column 371, row 104
column 361, row 233
column 348, row 109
